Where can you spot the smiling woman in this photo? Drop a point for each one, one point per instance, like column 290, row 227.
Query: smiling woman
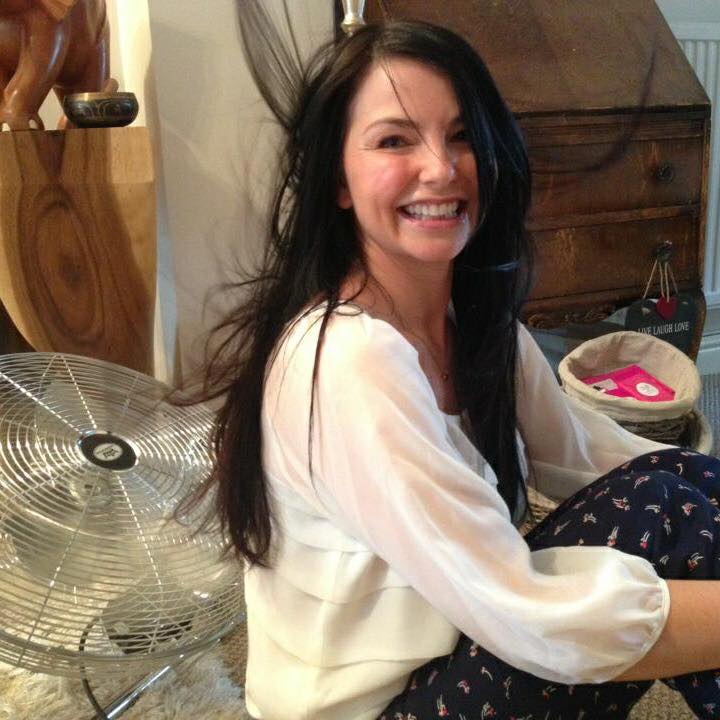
column 384, row 411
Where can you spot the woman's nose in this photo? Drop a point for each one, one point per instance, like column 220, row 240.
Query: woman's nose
column 438, row 164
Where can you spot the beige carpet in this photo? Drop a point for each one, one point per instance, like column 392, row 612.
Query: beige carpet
column 661, row 703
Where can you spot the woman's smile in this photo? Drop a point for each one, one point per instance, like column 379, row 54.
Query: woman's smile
column 437, row 214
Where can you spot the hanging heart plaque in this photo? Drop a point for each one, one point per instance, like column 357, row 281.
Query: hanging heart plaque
column 678, row 328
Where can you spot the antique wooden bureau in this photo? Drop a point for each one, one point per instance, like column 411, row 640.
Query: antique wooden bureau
column 617, row 126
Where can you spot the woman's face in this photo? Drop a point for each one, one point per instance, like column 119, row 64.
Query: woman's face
column 410, row 175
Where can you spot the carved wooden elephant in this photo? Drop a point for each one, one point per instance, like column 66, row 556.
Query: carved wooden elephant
column 46, row 44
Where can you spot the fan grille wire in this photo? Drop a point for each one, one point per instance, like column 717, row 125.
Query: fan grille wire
column 93, row 463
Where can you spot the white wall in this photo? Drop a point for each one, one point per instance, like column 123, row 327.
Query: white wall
column 217, row 147
column 690, row 10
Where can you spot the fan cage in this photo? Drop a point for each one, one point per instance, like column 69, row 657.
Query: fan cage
column 96, row 574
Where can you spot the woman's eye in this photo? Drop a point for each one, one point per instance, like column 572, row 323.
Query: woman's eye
column 461, row 136
column 393, row 141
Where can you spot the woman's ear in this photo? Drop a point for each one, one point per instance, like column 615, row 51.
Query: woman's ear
column 344, row 199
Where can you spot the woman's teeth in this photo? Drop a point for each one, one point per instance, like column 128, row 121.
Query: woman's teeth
column 423, row 210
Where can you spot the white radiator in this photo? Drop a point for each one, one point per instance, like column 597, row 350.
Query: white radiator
column 701, row 43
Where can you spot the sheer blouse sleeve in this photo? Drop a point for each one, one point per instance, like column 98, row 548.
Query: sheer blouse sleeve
column 568, row 444
column 387, row 473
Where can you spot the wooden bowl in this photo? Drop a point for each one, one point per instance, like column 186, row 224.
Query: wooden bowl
column 101, row 109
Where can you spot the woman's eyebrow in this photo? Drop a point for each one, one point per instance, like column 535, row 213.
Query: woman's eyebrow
column 403, row 122
column 400, row 121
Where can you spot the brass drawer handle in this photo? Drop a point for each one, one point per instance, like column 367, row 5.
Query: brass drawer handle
column 665, row 173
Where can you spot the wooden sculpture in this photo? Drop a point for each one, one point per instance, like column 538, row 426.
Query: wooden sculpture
column 77, row 207
column 46, row 44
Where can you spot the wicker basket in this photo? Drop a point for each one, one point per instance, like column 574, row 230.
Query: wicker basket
column 675, row 422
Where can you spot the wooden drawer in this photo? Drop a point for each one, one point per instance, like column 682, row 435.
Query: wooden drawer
column 610, row 256
column 649, row 174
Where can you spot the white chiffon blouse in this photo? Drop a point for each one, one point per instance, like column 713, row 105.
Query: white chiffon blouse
column 400, row 540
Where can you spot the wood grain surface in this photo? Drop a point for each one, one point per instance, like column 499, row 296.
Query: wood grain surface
column 78, row 241
column 550, row 56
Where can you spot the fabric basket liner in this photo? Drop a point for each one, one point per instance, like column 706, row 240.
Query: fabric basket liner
column 620, row 349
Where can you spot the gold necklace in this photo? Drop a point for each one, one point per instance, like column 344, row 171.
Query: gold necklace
column 397, row 322
column 444, row 373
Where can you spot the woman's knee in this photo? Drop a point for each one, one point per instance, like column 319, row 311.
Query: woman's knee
column 684, row 462
column 650, row 514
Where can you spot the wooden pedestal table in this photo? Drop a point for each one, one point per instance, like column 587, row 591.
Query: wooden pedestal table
column 78, row 243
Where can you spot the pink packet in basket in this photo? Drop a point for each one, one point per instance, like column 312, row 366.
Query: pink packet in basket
column 631, row 381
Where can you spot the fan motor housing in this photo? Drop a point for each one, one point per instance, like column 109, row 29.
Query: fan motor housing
column 108, row 451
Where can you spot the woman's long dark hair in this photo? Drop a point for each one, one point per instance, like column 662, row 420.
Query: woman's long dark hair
column 313, row 246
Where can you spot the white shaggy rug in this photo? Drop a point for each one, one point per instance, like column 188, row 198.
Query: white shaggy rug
column 202, row 690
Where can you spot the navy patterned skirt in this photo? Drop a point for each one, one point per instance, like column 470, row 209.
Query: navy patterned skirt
column 661, row 506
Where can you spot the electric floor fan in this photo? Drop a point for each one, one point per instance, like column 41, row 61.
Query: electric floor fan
column 97, row 575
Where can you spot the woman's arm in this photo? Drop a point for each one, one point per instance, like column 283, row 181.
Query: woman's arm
column 570, row 445
column 690, row 640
